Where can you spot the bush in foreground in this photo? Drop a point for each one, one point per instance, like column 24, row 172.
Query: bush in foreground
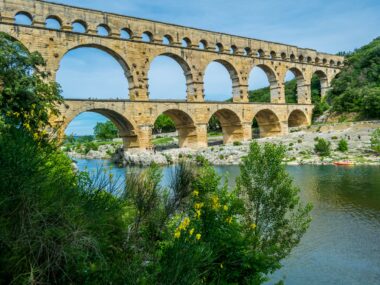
column 322, row 147
column 342, row 146
column 375, row 141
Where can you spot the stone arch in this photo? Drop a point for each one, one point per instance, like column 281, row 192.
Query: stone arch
column 203, row 44
column 126, row 128
column 323, row 79
column 147, row 37
column 273, row 82
column 103, row 30
column 232, row 71
column 297, row 118
column 55, row 18
column 185, row 66
column 126, row 34
column 111, row 52
column 82, row 24
column 185, row 126
column 303, row 93
column 186, row 42
column 231, row 125
column 24, row 14
column 167, row 40
column 269, row 123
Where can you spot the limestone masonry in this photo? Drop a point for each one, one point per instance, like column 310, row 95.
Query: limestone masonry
column 193, row 49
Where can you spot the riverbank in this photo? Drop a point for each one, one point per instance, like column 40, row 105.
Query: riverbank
column 299, row 145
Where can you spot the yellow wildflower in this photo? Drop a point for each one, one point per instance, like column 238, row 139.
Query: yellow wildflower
column 191, row 231
column 198, row 212
column 215, row 202
column 229, row 220
column 198, row 236
column 198, row 206
column 196, row 193
column 185, row 223
column 253, row 226
column 177, row 234
column 225, row 208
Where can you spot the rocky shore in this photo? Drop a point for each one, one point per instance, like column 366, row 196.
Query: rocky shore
column 299, row 145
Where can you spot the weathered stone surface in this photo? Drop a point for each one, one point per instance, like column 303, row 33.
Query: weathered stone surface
column 135, row 118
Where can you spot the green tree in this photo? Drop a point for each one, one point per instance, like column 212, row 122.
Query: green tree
column 273, row 208
column 164, row 124
column 357, row 86
column 375, row 141
column 27, row 99
column 322, row 147
column 105, row 131
column 342, row 145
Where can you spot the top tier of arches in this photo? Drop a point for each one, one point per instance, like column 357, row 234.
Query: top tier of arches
column 92, row 22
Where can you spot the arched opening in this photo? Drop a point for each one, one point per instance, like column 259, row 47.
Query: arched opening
column 99, row 130
column 186, row 42
column 294, row 84
column 262, row 84
column 93, row 72
column 23, row 18
column 247, row 51
column 233, row 49
column 167, row 40
column 147, row 37
column 220, row 81
column 224, row 126
column 319, row 87
column 53, row 22
column 219, row 47
column 273, row 55
column 260, row 53
column 297, row 118
column 79, row 26
column 125, row 34
column 202, row 44
column 169, row 77
column 103, row 30
column 185, row 131
column 268, row 124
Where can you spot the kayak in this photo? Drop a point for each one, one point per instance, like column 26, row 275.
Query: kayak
column 342, row 163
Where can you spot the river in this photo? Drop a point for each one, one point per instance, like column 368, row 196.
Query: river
column 342, row 245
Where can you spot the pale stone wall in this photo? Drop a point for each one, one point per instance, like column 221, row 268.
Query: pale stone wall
column 135, row 119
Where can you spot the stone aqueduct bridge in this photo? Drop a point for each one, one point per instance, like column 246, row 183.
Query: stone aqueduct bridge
column 193, row 49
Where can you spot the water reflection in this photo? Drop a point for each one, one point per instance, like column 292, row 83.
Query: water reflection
column 342, row 245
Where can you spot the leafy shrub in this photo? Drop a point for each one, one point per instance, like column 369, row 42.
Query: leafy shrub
column 322, row 147
column 300, row 141
column 342, row 145
column 221, row 156
column 334, row 137
column 375, row 141
column 237, row 143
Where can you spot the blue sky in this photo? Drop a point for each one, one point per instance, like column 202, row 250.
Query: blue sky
column 328, row 26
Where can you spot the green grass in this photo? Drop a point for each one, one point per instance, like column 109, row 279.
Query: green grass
column 162, row 141
column 215, row 134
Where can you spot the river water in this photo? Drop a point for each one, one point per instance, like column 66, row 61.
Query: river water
column 342, row 245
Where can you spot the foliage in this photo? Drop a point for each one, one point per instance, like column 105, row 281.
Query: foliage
column 274, row 219
column 105, row 131
column 357, row 86
column 26, row 98
column 164, row 124
column 342, row 145
column 55, row 226
column 214, row 125
column 322, row 147
column 320, row 104
column 375, row 141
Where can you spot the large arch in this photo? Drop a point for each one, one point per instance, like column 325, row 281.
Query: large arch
column 324, row 84
column 233, row 79
column 188, row 76
column 301, row 92
column 268, row 122
column 104, row 63
column 272, row 79
column 231, row 125
column 126, row 128
column 185, row 126
column 297, row 118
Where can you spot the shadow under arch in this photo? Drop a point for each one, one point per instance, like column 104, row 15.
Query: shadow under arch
column 323, row 79
column 125, row 127
column 234, row 76
column 268, row 122
column 273, row 81
column 297, row 118
column 185, row 126
column 190, row 89
column 124, row 65
column 231, row 125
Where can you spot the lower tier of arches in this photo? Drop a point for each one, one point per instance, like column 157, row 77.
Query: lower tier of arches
column 135, row 120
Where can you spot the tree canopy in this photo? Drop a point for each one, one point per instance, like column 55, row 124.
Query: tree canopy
column 357, row 86
column 105, row 131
